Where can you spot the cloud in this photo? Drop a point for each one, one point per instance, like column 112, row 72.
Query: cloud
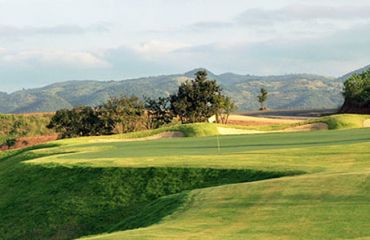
column 9, row 31
column 303, row 13
column 334, row 54
column 36, row 68
column 42, row 57
column 298, row 13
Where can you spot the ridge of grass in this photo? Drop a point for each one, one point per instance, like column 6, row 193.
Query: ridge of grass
column 343, row 121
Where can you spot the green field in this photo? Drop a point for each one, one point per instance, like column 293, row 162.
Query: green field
column 312, row 185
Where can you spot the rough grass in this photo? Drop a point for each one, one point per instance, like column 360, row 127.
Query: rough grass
column 29, row 125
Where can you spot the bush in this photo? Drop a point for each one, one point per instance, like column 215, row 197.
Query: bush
column 10, row 142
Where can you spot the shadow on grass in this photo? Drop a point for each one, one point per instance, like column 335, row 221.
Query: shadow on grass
column 57, row 202
column 152, row 213
column 10, row 154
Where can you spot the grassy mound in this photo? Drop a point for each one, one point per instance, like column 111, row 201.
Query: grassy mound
column 344, row 121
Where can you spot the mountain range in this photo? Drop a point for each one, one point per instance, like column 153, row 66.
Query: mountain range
column 291, row 91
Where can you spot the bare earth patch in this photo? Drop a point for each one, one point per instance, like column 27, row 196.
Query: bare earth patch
column 30, row 141
column 367, row 123
column 308, row 127
column 235, row 131
column 259, row 121
column 172, row 134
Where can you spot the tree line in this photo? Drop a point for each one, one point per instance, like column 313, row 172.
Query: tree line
column 195, row 101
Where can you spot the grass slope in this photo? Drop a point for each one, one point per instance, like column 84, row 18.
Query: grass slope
column 330, row 202
column 79, row 187
column 344, row 121
column 64, row 202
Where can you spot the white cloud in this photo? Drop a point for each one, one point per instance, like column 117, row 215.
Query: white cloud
column 300, row 12
column 154, row 48
column 10, row 31
column 52, row 58
column 46, row 41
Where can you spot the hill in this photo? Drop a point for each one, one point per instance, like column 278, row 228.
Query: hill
column 358, row 71
column 270, row 186
column 294, row 91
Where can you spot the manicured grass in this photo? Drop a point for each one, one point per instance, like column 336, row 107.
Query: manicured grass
column 78, row 187
column 65, row 202
column 332, row 202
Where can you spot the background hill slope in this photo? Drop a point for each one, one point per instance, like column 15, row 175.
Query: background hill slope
column 293, row 91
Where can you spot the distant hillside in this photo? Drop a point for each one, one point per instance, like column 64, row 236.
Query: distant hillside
column 293, row 91
column 358, row 71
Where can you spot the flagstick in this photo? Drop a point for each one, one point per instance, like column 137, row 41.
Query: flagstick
column 218, row 144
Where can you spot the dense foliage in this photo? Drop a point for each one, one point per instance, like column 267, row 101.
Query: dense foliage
column 81, row 121
column 357, row 93
column 16, row 126
column 198, row 99
column 124, row 112
column 158, row 112
column 117, row 115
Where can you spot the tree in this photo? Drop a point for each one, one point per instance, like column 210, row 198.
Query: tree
column 226, row 107
column 196, row 100
column 357, row 93
column 158, row 112
column 80, row 121
column 262, row 98
column 125, row 112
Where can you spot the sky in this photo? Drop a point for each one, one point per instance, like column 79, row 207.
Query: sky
column 43, row 41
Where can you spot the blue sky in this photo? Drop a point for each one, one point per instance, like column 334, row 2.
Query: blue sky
column 43, row 41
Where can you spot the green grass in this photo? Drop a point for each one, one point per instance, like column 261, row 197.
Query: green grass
column 186, row 189
column 52, row 201
column 331, row 201
column 344, row 121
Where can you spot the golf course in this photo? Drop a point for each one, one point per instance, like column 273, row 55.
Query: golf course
column 197, row 185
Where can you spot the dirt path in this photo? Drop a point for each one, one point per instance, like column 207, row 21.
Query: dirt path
column 303, row 128
column 259, row 121
column 367, row 123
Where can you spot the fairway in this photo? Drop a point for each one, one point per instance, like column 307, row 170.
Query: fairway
column 311, row 185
